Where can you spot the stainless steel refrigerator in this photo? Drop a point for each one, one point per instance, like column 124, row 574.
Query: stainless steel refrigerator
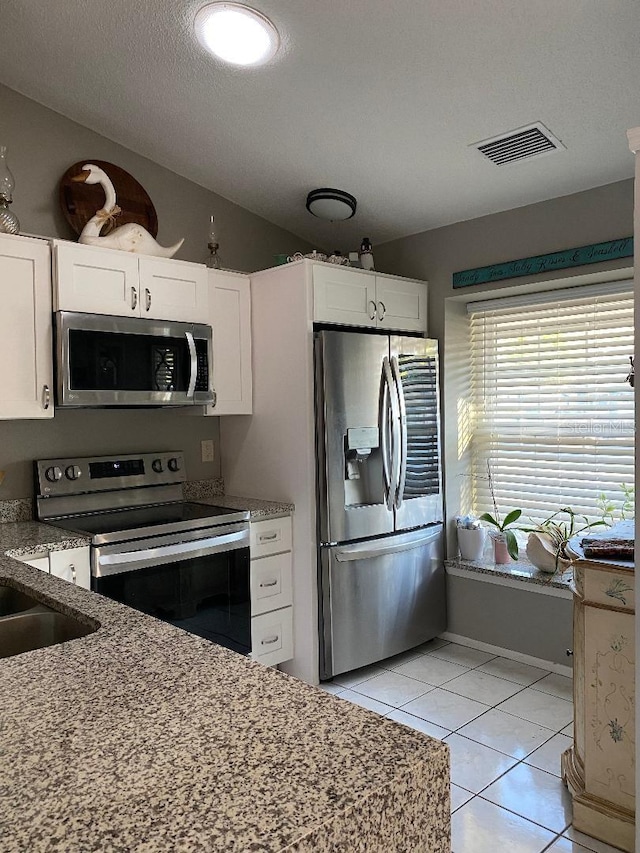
column 380, row 532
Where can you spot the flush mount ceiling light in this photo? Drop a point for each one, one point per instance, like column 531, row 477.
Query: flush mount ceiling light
column 236, row 33
column 328, row 203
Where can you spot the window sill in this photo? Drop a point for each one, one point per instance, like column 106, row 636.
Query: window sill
column 520, row 575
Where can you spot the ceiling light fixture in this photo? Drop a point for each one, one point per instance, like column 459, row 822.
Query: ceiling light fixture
column 331, row 204
column 236, row 33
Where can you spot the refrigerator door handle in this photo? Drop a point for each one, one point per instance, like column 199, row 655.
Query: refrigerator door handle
column 390, row 434
column 402, row 455
column 366, row 552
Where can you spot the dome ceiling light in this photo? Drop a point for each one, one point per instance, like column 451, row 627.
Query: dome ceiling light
column 236, row 33
column 331, row 204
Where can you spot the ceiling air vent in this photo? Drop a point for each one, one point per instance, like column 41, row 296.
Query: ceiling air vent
column 534, row 140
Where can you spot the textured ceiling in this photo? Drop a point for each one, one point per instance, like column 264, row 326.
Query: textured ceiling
column 382, row 98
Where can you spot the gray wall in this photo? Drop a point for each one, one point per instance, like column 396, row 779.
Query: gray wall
column 41, row 146
column 604, row 213
column 521, row 620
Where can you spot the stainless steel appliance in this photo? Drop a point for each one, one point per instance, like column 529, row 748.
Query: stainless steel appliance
column 381, row 571
column 131, row 361
column 183, row 562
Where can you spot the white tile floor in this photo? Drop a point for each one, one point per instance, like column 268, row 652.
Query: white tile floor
column 506, row 724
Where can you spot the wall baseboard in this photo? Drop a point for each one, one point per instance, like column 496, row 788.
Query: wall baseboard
column 508, row 653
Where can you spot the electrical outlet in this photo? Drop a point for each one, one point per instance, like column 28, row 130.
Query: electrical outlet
column 207, row 450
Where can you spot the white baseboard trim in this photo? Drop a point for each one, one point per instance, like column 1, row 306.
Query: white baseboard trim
column 508, row 653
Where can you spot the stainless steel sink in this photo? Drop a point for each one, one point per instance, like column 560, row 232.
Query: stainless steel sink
column 27, row 631
column 26, row 624
column 14, row 601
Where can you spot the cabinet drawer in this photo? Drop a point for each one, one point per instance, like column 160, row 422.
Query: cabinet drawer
column 270, row 537
column 71, row 565
column 272, row 636
column 270, row 583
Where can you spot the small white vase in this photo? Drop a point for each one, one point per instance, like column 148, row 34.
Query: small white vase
column 542, row 553
column 471, row 542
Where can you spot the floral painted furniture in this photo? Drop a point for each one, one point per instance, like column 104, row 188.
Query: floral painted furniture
column 599, row 769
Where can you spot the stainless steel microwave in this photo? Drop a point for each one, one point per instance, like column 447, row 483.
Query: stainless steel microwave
column 130, row 361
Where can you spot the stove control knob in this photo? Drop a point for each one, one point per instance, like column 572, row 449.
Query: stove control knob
column 157, row 466
column 174, row 465
column 73, row 472
column 53, row 474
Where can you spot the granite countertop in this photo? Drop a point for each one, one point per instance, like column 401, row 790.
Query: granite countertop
column 521, row 570
column 141, row 737
column 212, row 492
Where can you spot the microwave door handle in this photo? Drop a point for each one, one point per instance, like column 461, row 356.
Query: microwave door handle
column 193, row 364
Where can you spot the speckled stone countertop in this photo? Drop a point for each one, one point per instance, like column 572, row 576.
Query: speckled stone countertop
column 212, row 492
column 522, row 570
column 30, row 537
column 141, row 737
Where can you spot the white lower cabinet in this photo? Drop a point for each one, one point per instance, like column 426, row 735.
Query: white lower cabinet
column 26, row 343
column 71, row 564
column 271, row 591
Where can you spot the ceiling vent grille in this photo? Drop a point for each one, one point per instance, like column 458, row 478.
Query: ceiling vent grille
column 534, row 140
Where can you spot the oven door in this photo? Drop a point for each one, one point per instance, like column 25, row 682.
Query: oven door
column 130, row 361
column 198, row 581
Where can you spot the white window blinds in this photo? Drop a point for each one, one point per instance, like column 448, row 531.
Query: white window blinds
column 552, row 410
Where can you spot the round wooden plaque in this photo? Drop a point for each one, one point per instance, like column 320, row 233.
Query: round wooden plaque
column 79, row 202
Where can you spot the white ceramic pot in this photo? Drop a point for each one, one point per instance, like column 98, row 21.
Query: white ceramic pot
column 471, row 542
column 542, row 553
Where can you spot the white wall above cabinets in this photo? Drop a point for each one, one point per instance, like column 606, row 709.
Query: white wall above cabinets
column 107, row 281
column 360, row 298
column 71, row 564
column 230, row 318
column 26, row 386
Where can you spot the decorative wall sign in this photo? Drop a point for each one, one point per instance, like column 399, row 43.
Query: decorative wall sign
column 597, row 252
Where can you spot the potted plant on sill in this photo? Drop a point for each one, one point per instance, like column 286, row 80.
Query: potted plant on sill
column 505, row 544
column 548, row 540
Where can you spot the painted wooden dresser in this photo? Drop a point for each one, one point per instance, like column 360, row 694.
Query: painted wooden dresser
column 599, row 769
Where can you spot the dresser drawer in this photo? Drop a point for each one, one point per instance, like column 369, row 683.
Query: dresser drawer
column 270, row 583
column 270, row 537
column 272, row 636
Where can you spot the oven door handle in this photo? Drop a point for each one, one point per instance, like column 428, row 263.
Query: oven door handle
column 129, row 561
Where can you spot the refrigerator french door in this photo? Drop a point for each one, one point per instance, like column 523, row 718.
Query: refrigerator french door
column 380, row 566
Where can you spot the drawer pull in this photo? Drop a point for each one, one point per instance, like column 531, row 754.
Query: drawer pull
column 73, row 572
column 268, row 537
column 271, row 640
column 269, row 583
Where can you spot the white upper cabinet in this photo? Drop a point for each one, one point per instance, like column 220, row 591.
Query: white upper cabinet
column 106, row 281
column 230, row 318
column 360, row 298
column 26, row 345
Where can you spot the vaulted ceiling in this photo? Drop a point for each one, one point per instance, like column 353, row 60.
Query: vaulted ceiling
column 381, row 98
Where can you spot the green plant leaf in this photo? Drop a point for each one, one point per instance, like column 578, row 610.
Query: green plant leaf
column 512, row 543
column 514, row 515
column 490, row 519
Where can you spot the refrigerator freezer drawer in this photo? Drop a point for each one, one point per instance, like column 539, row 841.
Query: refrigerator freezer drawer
column 380, row 598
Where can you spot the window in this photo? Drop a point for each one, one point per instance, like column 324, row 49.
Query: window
column 552, row 411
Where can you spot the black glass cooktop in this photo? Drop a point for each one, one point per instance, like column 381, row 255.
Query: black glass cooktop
column 149, row 520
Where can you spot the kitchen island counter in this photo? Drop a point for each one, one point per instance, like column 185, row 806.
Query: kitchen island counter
column 141, row 737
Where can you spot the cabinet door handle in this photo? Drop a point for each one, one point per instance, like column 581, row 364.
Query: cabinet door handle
column 46, row 396
column 382, row 306
column 269, row 583
column 372, row 315
column 569, row 653
column 268, row 537
column 73, row 573
column 271, row 640
column 147, row 298
column 134, row 299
